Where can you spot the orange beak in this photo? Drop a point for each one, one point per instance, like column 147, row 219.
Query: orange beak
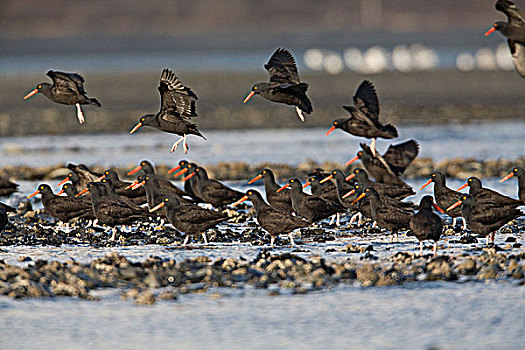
column 30, row 94
column 135, row 128
column 257, row 178
column 181, row 172
column 63, row 181
column 507, row 177
column 426, row 184
column 172, row 170
column 131, row 185
column 330, row 130
column 329, row 177
column 157, row 207
column 138, row 185
column 349, row 193
column 250, row 95
column 60, row 192
column 284, row 187
column 490, row 31
column 349, row 177
column 135, row 170
column 352, row 160
column 438, row 208
column 306, row 184
column 189, row 176
column 100, row 178
column 240, row 201
column 81, row 192
column 463, row 186
column 362, row 195
column 457, row 204
column 33, row 194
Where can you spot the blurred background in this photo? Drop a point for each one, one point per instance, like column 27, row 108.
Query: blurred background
column 429, row 60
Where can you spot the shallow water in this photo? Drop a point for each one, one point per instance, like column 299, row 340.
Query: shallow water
column 480, row 140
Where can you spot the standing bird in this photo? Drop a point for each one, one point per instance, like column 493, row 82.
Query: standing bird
column 484, row 218
column 190, row 218
column 444, row 196
column 67, row 89
column 76, row 184
column 148, row 169
column 85, row 175
column 485, row 195
column 62, row 208
column 285, row 85
column 425, row 224
column 364, row 117
column 7, row 187
column 123, row 188
column 4, row 220
column 393, row 191
column 514, row 31
column 307, row 206
column 392, row 218
column 274, row 221
column 212, row 191
column 519, row 172
column 389, row 166
column 279, row 200
column 190, row 186
column 177, row 107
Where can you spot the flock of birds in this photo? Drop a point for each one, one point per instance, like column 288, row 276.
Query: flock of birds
column 194, row 209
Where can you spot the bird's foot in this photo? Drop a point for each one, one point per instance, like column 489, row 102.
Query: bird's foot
column 80, row 115
column 176, row 144
column 299, row 113
column 373, row 147
column 185, row 145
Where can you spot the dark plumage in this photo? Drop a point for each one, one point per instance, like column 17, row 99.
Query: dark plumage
column 190, row 218
column 444, row 196
column 309, row 207
column 274, row 221
column 485, row 218
column 4, row 220
column 111, row 192
column 84, row 174
column 285, row 85
column 69, row 190
column 75, row 182
column 392, row 218
column 364, row 117
column 147, row 168
column 67, row 89
column 212, row 191
column 279, row 200
column 389, row 166
column 342, row 187
column 62, row 208
column 519, row 172
column 514, row 31
column 425, row 224
column 390, row 190
column 189, row 185
column 7, row 187
column 154, row 193
column 122, row 188
column 485, row 195
column 177, row 107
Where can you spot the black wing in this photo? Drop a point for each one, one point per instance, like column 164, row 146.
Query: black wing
column 517, row 49
column 174, row 95
column 282, row 67
column 71, row 81
column 365, row 99
column 514, row 15
column 402, row 154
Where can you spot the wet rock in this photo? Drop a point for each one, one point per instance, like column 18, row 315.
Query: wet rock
column 488, row 272
column 468, row 267
column 439, row 268
column 145, row 298
column 368, row 274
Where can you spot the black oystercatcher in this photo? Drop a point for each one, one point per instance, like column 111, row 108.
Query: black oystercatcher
column 62, row 208
column 212, row 191
column 7, row 187
column 389, row 166
column 444, row 196
column 364, row 119
column 278, row 200
column 75, row 182
column 274, row 221
column 67, row 89
column 392, row 218
column 177, row 107
column 190, row 186
column 485, row 195
column 69, row 190
column 123, row 188
column 425, row 224
column 326, row 190
column 519, row 172
column 190, row 218
column 4, row 220
column 285, row 85
column 484, row 218
column 390, row 190
column 307, row 206
column 514, row 31
column 154, row 193
column 147, row 168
